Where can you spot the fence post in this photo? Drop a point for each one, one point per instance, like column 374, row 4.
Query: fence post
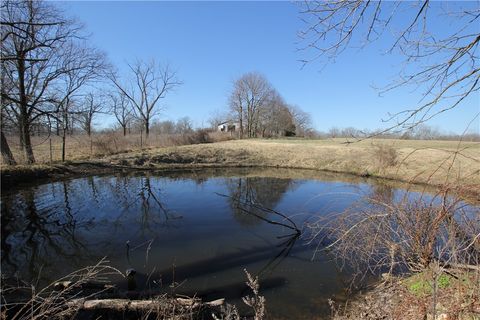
column 64, row 140
column 51, row 153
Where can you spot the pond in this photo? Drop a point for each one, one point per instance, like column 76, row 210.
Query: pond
column 191, row 229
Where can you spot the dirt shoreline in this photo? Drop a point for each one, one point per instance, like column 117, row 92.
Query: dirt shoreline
column 14, row 176
column 417, row 162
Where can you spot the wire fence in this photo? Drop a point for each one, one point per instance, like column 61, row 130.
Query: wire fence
column 51, row 149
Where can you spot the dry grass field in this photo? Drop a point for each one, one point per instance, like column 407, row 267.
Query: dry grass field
column 80, row 147
column 433, row 162
column 419, row 161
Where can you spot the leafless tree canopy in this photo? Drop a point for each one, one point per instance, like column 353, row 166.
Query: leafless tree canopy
column 301, row 119
column 44, row 61
column 93, row 104
column 250, row 94
column 148, row 84
column 260, row 110
column 122, row 110
column 443, row 64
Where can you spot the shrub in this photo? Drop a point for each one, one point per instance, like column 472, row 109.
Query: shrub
column 105, row 144
column 385, row 156
column 201, row 136
column 402, row 235
column 216, row 136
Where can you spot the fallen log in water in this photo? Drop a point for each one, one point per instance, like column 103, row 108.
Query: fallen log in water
column 141, row 305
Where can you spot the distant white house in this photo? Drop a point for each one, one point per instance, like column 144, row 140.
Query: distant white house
column 228, row 126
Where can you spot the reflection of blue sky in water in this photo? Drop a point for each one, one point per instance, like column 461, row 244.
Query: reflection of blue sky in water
column 62, row 226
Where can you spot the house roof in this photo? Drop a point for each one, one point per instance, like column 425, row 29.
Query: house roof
column 225, row 122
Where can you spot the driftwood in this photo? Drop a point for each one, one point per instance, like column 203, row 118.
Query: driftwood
column 463, row 266
column 141, row 305
column 62, row 285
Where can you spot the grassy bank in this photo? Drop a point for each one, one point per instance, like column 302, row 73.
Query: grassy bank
column 434, row 162
column 430, row 162
column 452, row 294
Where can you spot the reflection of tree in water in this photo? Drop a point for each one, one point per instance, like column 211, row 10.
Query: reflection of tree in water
column 140, row 210
column 246, row 194
column 66, row 225
column 154, row 212
column 382, row 192
column 35, row 238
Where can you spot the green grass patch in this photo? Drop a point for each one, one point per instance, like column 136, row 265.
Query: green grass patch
column 422, row 284
column 444, row 281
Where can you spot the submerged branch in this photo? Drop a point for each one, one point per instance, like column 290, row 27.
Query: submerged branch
column 292, row 225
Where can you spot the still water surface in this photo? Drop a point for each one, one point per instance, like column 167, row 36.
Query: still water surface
column 187, row 229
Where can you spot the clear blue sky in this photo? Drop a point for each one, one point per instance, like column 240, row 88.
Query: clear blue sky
column 212, row 43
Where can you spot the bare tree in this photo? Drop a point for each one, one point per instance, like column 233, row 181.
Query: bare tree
column 93, row 105
column 122, row 110
column 249, row 95
column 237, row 106
column 217, row 117
column 63, row 114
column 7, row 155
column 301, row 119
column 40, row 50
column 83, row 66
column 444, row 64
column 184, row 126
column 163, row 127
column 150, row 83
column 275, row 117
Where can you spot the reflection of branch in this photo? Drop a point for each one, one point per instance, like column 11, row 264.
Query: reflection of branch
column 292, row 225
column 288, row 245
column 147, row 188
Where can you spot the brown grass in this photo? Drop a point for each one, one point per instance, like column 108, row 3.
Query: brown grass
column 81, row 147
column 415, row 161
column 384, row 155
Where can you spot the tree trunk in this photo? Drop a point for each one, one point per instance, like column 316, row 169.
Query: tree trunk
column 124, row 130
column 71, row 126
column 63, row 143
column 241, row 126
column 25, row 141
column 23, row 120
column 6, row 153
column 147, row 128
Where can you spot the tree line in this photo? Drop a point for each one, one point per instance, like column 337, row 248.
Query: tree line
column 54, row 82
column 52, row 78
column 419, row 132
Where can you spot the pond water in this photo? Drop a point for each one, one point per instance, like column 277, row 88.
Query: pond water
column 185, row 229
